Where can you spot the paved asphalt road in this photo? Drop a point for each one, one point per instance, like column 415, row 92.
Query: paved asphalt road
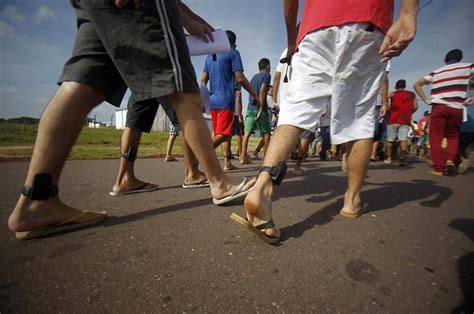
column 174, row 251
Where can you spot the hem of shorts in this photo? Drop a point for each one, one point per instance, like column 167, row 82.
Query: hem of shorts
column 165, row 92
column 108, row 99
column 336, row 142
column 295, row 125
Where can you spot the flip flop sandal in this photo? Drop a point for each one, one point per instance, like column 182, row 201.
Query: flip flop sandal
column 256, row 230
column 201, row 184
column 67, row 224
column 145, row 187
column 353, row 215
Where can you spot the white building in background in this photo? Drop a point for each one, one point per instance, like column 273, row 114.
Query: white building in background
column 161, row 122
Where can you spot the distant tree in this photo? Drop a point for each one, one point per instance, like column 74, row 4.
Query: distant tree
column 23, row 120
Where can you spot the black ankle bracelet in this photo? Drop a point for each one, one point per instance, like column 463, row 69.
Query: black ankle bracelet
column 277, row 173
column 42, row 188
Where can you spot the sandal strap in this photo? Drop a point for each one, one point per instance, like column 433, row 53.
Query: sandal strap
column 266, row 225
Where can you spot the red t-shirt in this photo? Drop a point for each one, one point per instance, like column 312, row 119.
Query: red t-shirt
column 423, row 125
column 401, row 107
column 325, row 13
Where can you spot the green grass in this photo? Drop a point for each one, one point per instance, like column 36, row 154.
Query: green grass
column 17, row 140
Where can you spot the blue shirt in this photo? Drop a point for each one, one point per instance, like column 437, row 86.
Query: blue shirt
column 222, row 78
column 256, row 82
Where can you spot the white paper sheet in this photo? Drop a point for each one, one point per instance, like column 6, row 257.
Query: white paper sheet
column 198, row 47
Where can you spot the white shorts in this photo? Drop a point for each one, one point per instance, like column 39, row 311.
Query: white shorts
column 338, row 64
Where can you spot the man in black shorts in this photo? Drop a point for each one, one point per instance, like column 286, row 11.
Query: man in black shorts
column 140, row 117
column 134, row 44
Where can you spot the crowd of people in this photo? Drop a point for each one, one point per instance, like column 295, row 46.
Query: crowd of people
column 331, row 83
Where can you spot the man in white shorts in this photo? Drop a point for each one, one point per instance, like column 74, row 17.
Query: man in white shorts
column 340, row 57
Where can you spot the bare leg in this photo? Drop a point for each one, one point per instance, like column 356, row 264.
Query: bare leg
column 258, row 202
column 303, row 148
column 195, row 131
column 358, row 156
column 388, row 150
column 227, row 154
column 259, row 147
column 192, row 175
column 58, row 130
column 169, row 148
column 239, row 144
column 126, row 180
column 403, row 151
column 266, row 142
column 245, row 143
column 375, row 146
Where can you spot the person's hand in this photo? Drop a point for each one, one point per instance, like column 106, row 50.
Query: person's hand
column 427, row 101
column 469, row 101
column 201, row 29
column 400, row 34
column 241, row 118
column 259, row 114
column 123, row 3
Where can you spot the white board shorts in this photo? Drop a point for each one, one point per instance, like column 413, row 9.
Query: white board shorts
column 340, row 65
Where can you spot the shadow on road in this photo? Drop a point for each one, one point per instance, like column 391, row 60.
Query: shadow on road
column 465, row 267
column 322, row 187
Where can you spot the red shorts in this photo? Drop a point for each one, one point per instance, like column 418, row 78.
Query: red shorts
column 222, row 121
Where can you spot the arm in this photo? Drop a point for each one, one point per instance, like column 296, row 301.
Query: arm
column 290, row 9
column 238, row 105
column 240, row 77
column 204, row 78
column 194, row 24
column 402, row 32
column 417, row 87
column 276, row 87
column 261, row 97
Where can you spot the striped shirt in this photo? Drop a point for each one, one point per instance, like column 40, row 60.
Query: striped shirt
column 449, row 84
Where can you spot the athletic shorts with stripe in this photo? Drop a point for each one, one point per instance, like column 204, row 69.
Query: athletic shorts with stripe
column 144, row 49
column 339, row 64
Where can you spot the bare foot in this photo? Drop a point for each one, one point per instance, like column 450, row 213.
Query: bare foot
column 195, row 178
column 31, row 215
column 170, row 158
column 230, row 186
column 245, row 161
column 258, row 205
column 229, row 166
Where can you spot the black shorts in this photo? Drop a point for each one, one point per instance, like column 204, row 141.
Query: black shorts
column 143, row 49
column 141, row 114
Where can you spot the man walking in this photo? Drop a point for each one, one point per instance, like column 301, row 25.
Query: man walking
column 222, row 70
column 449, row 86
column 257, row 117
column 332, row 46
column 402, row 105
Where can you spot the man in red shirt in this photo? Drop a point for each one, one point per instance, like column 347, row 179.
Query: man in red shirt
column 337, row 57
column 402, row 105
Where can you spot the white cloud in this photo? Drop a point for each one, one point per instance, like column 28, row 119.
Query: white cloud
column 44, row 13
column 12, row 14
column 6, row 30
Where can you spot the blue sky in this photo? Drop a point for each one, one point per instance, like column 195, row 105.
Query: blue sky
column 36, row 38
